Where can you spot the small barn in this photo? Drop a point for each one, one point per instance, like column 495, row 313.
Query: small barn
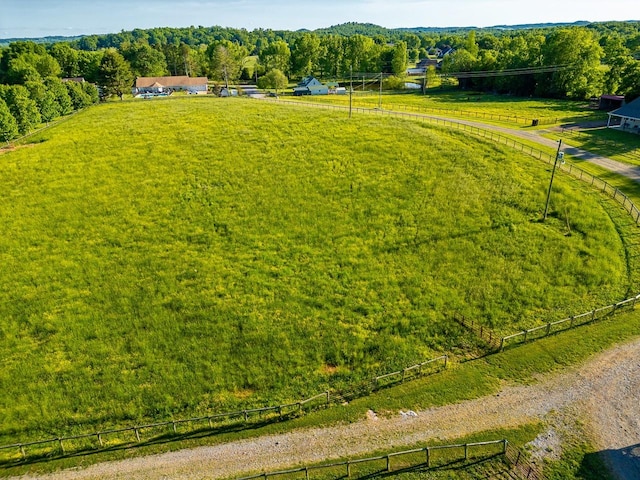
column 156, row 85
column 627, row 117
column 610, row 102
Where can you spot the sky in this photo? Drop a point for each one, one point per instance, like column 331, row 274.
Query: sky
column 40, row 18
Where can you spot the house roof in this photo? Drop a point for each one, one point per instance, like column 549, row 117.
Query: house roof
column 630, row 110
column 179, row 81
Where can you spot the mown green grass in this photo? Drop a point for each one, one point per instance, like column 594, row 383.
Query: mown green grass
column 187, row 256
column 618, row 145
column 481, row 106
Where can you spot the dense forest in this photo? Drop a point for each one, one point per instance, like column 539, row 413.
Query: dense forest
column 561, row 61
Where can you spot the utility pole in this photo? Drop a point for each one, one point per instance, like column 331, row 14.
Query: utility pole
column 553, row 172
column 350, row 90
column 380, row 94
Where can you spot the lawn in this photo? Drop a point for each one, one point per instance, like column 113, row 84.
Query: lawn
column 615, row 144
column 485, row 107
column 184, row 256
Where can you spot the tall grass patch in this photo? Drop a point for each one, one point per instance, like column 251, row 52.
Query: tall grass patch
column 184, row 256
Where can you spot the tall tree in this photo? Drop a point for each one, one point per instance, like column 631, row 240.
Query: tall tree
column 22, row 107
column 67, row 58
column 57, row 87
column 399, row 59
column 45, row 100
column 145, row 61
column 276, row 56
column 331, row 55
column 305, row 54
column 578, row 51
column 8, row 124
column 226, row 60
column 115, row 75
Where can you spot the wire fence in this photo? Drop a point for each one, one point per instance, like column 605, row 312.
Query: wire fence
column 138, row 434
column 568, row 168
column 146, row 433
column 632, row 155
column 425, row 458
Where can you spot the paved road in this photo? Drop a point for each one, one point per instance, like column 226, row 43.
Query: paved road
column 620, row 168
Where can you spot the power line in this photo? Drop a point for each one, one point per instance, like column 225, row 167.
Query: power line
column 507, row 72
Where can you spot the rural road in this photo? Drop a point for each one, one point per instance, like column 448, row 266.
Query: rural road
column 624, row 169
column 602, row 393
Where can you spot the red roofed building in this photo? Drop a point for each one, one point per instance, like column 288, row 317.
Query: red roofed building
column 169, row 84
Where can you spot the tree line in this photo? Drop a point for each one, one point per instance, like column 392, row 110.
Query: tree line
column 559, row 61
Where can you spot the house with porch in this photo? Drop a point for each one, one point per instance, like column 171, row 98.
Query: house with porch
column 158, row 85
column 626, row 118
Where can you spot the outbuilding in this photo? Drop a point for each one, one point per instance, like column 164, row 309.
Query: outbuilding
column 627, row 117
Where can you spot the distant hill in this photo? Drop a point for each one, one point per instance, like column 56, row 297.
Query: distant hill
column 53, row 39
column 344, row 29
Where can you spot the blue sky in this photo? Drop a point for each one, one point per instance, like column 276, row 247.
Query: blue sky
column 36, row 18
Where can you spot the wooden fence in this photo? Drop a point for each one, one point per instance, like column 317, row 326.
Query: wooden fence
column 137, row 434
column 63, row 445
column 424, row 458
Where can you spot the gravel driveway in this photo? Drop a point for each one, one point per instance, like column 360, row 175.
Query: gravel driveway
column 603, row 392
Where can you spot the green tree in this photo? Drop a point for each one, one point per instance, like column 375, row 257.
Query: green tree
column 115, row 75
column 89, row 65
column 56, row 86
column 8, row 124
column 359, row 53
column 67, row 58
column 22, row 107
column 226, row 60
column 276, row 56
column 45, row 100
column 399, row 59
column 91, row 91
column 79, row 98
column 145, row 61
column 578, row 51
column 331, row 55
column 275, row 79
column 305, row 55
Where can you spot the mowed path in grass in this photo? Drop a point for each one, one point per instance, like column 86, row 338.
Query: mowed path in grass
column 603, row 391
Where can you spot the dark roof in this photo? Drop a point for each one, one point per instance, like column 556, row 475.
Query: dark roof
column 630, row 110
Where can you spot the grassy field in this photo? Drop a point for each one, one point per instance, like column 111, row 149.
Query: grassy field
column 183, row 256
column 618, row 145
column 482, row 106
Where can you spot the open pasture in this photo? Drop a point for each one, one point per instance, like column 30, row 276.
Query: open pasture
column 183, row 256
column 484, row 107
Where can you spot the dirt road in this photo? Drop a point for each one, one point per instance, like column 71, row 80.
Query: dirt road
column 603, row 392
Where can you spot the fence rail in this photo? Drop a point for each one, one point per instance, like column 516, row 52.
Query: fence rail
column 57, row 447
column 63, row 445
column 425, row 457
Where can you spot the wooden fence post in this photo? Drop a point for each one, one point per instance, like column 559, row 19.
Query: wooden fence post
column 348, row 469
column 306, row 473
column 137, row 434
column 466, row 451
column 502, row 344
column 100, row 440
column 61, row 446
column 428, row 458
column 388, row 463
column 23, row 452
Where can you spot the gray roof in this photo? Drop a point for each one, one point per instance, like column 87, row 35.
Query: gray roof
column 630, row 110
